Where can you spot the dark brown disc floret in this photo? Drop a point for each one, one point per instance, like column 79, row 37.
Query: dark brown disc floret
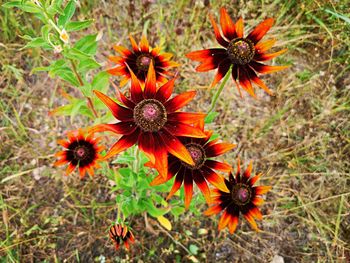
column 81, row 152
column 241, row 194
column 198, row 155
column 150, row 115
column 241, row 50
column 143, row 61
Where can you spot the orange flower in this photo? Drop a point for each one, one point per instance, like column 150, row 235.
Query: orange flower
column 243, row 197
column 243, row 54
column 119, row 233
column 152, row 120
column 201, row 151
column 138, row 60
column 82, row 151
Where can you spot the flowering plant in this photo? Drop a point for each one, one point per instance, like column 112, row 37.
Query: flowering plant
column 160, row 145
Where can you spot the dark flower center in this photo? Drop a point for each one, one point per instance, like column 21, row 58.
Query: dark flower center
column 81, row 152
column 241, row 50
column 143, row 61
column 150, row 115
column 198, row 155
column 241, row 194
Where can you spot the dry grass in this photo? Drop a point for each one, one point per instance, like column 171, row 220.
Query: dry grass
column 300, row 137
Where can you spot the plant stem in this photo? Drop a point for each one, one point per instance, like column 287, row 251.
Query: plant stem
column 91, row 105
column 217, row 94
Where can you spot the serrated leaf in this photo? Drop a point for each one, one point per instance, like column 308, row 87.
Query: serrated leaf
column 26, row 7
column 164, row 222
column 152, row 209
column 68, row 76
column 68, row 13
column 78, row 25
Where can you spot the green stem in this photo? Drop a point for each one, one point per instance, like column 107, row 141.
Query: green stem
column 218, row 92
column 91, row 105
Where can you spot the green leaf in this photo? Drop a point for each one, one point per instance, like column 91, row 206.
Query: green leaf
column 210, row 117
column 86, row 90
column 88, row 64
column 12, row 4
column 25, row 6
column 152, row 209
column 68, row 13
column 74, row 53
column 194, row 249
column 87, row 44
column 101, row 81
column 38, row 42
column 78, row 25
column 68, row 76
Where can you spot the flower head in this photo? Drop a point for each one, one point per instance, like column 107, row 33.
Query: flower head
column 138, row 60
column 82, row 152
column 119, row 233
column 202, row 171
column 149, row 118
column 243, row 54
column 242, row 197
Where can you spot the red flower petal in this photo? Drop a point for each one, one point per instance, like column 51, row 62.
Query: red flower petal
column 227, row 26
column 177, row 183
column 165, row 91
column 223, row 68
column 224, row 220
column 214, row 179
column 150, row 84
column 186, row 117
column 232, row 225
column 136, row 92
column 218, row 149
column 146, row 144
column 144, row 46
column 257, row 201
column 179, row 101
column 260, row 30
column 63, row 143
column 134, row 45
column 262, row 47
column 253, row 77
column 60, row 162
column 218, row 36
column 117, row 71
column 253, row 180
column 70, row 169
column 213, row 210
column 122, row 50
column 224, row 167
column 176, row 148
column 202, row 185
column 203, row 55
column 119, row 112
column 248, row 171
column 265, row 69
column 240, row 28
column 260, row 190
column 255, row 212
column 179, row 129
column 128, row 103
column 265, row 57
column 249, row 217
column 245, row 83
column 172, row 171
column 125, row 142
column 161, row 162
column 188, row 185
column 123, row 128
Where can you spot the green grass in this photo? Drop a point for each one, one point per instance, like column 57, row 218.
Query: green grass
column 300, row 138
